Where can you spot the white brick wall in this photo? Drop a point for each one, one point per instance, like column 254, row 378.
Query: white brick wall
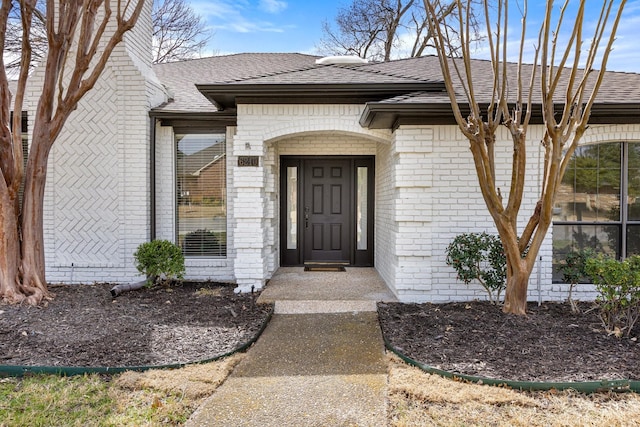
column 97, row 196
column 426, row 194
column 270, row 131
column 451, row 204
column 97, row 200
column 385, row 228
column 165, row 183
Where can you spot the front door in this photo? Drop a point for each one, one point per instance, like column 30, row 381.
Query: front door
column 326, row 210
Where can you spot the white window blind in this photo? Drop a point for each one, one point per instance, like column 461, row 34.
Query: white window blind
column 202, row 194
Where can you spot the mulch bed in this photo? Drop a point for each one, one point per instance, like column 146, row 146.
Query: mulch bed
column 475, row 338
column 85, row 326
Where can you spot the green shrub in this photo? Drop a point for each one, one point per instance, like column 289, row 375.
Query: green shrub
column 159, row 260
column 574, row 270
column 618, row 284
column 479, row 256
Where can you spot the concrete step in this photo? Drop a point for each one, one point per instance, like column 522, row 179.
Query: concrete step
column 295, row 291
column 323, row 306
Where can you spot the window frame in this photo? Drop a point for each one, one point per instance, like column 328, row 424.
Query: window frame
column 217, row 131
column 623, row 221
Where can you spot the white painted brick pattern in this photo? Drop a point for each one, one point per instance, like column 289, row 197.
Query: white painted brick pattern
column 426, row 188
column 97, row 196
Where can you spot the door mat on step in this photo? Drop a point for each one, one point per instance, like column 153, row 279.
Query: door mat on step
column 324, row 268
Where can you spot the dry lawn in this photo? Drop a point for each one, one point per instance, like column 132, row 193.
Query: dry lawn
column 152, row 398
column 171, row 396
column 420, row 399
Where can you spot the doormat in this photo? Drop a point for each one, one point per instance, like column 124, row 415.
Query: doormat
column 324, row 268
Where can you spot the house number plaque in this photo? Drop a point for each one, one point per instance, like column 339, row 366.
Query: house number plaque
column 248, row 161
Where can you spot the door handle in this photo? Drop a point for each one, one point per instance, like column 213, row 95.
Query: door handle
column 306, row 217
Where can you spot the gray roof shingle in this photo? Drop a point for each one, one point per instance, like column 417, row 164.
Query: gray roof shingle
column 298, row 69
column 181, row 77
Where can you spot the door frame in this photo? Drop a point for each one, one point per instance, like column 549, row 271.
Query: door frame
column 295, row 257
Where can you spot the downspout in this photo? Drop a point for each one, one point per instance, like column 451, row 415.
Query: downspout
column 540, row 184
column 152, row 178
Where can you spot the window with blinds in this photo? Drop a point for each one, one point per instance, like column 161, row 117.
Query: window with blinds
column 25, row 148
column 202, row 194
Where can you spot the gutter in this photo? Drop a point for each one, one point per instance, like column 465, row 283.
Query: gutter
column 387, row 115
column 227, row 95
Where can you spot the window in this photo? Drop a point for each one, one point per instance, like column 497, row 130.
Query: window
column 25, row 148
column 292, row 207
column 362, row 207
column 598, row 205
column 202, row 194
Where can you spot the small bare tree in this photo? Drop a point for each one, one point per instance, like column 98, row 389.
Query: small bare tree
column 382, row 29
column 178, row 32
column 81, row 35
column 557, row 77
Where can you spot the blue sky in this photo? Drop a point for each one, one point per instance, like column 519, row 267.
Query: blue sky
column 296, row 26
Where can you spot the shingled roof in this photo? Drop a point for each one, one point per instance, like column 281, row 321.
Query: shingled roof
column 412, row 88
column 180, row 78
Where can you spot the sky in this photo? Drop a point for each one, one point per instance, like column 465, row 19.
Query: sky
column 296, row 26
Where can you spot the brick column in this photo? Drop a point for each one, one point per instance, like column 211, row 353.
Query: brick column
column 412, row 211
column 249, row 205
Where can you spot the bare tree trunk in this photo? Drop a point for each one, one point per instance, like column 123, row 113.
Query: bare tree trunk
column 562, row 131
column 518, row 269
column 33, row 265
column 10, row 253
column 515, row 296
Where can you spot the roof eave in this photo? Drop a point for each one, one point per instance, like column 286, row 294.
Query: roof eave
column 229, row 95
column 385, row 115
column 196, row 119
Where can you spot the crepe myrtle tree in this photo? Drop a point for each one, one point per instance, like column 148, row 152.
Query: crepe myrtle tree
column 563, row 74
column 81, row 35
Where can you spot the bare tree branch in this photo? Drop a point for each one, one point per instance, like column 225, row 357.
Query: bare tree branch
column 378, row 29
column 573, row 86
column 81, row 36
column 178, row 33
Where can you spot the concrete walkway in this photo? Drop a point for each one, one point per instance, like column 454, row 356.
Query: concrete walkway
column 320, row 361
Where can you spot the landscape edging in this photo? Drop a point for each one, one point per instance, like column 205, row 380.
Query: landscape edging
column 618, row 385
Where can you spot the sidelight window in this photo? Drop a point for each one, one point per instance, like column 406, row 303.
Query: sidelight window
column 362, row 212
column 292, row 207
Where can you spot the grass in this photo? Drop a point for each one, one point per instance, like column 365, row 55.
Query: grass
column 169, row 397
column 152, row 398
column 51, row 400
column 420, row 399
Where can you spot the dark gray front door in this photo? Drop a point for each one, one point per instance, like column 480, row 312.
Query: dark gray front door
column 327, row 210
